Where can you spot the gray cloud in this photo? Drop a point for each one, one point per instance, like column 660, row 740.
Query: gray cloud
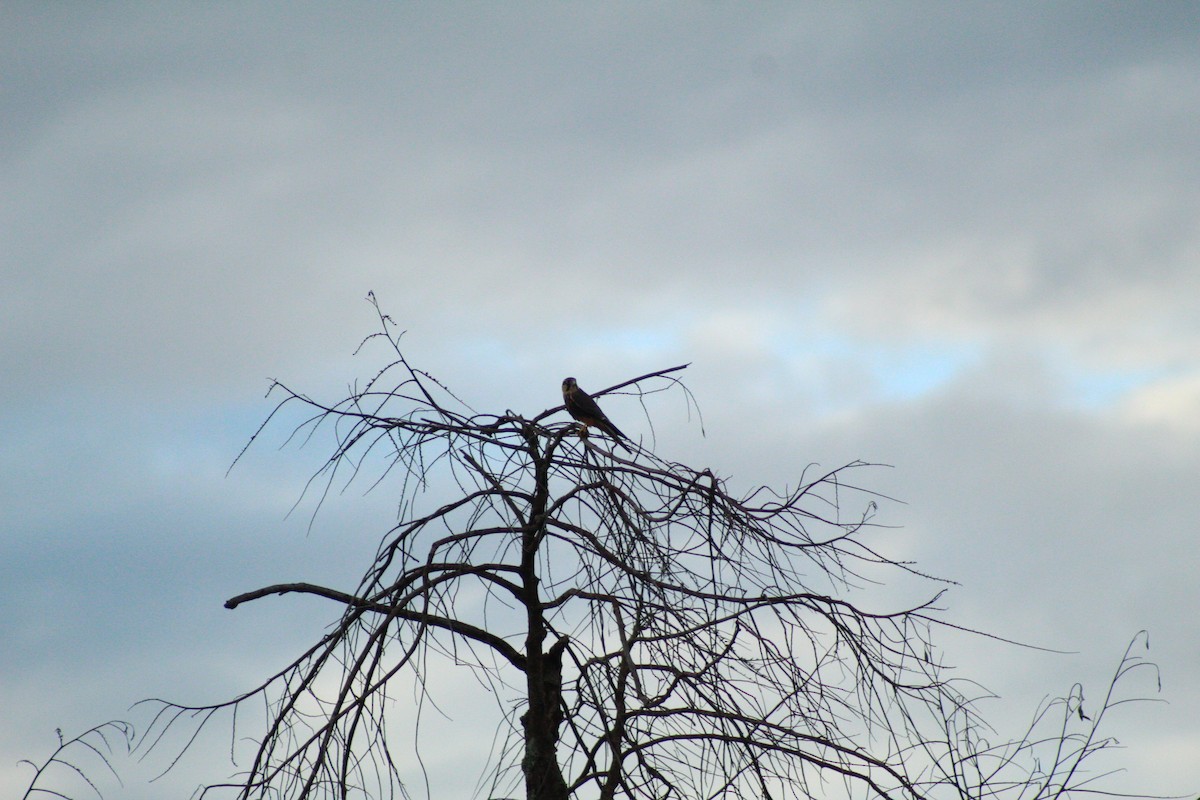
column 958, row 239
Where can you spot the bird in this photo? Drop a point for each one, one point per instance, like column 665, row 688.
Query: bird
column 583, row 408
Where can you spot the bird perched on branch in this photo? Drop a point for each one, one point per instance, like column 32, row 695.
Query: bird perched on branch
column 583, row 408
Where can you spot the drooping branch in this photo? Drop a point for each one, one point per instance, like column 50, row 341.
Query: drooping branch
column 472, row 632
column 645, row 630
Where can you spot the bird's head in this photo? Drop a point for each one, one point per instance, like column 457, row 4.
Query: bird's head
column 569, row 385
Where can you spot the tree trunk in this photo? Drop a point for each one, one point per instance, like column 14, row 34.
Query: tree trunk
column 543, row 777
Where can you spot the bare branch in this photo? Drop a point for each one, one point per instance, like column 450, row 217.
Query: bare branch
column 645, row 630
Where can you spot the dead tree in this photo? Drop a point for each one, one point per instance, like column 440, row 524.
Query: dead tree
column 648, row 632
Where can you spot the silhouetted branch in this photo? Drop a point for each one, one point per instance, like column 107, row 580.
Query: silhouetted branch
column 645, row 630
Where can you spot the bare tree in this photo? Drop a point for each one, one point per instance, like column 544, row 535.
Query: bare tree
column 647, row 632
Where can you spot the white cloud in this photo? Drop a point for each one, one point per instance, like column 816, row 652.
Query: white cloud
column 1171, row 404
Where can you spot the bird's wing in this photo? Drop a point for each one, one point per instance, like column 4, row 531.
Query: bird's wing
column 586, row 406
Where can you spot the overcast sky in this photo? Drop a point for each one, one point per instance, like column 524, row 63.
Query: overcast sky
column 960, row 239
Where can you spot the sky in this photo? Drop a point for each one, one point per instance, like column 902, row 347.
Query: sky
column 959, row 239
